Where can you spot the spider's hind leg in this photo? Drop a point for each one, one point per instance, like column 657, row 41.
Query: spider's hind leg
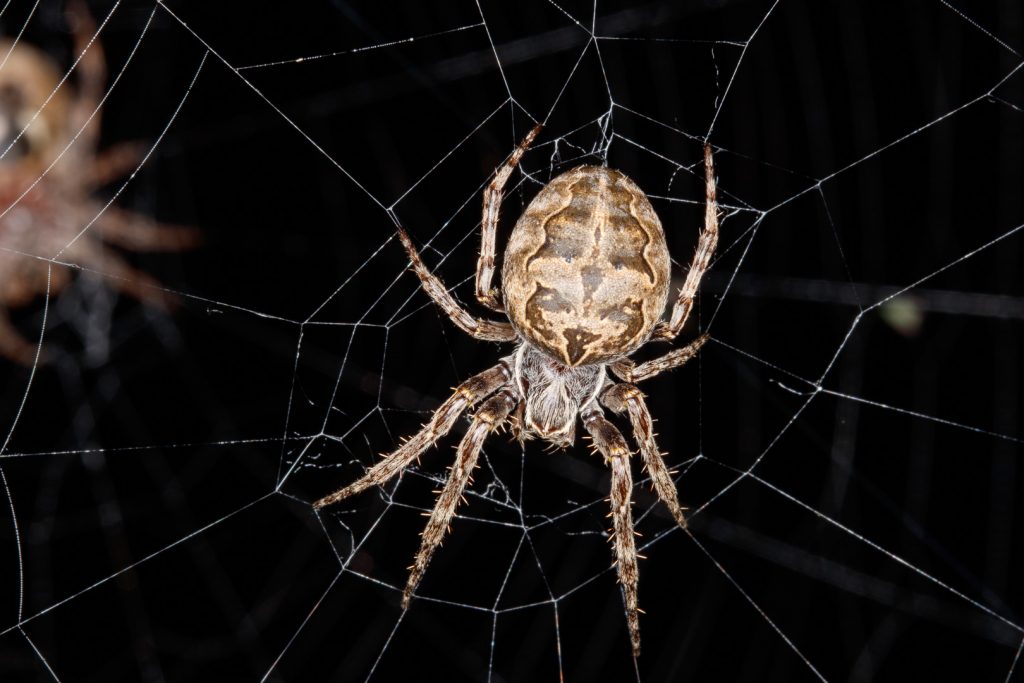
column 466, row 394
column 492, row 414
column 612, row 445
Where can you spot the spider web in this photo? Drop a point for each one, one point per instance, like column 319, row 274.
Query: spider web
column 847, row 442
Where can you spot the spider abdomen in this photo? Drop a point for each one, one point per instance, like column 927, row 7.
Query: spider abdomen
column 586, row 272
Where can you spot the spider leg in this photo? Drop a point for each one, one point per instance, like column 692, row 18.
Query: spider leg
column 490, row 416
column 92, row 73
column 701, row 259
column 26, row 279
column 12, row 345
column 628, row 372
column 119, row 274
column 488, row 296
column 112, row 163
column 487, row 330
column 139, row 233
column 465, row 395
column 612, row 445
column 626, row 398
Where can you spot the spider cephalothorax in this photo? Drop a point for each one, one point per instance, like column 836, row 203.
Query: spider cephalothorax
column 585, row 282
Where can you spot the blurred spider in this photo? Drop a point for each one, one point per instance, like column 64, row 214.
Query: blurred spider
column 49, row 166
column 585, row 282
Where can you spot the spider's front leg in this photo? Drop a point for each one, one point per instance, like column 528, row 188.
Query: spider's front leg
column 466, row 394
column 91, row 74
column 492, row 414
column 612, row 445
column 485, row 265
column 627, row 398
column 487, row 330
column 701, row 259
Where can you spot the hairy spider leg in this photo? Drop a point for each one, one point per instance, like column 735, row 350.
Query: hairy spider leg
column 488, row 330
column 701, row 259
column 625, row 369
column 612, row 445
column 627, row 398
column 467, row 394
column 488, row 296
column 492, row 414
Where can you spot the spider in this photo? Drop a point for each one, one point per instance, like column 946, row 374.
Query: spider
column 585, row 282
column 49, row 165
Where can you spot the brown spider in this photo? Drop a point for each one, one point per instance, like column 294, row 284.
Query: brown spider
column 585, row 280
column 48, row 170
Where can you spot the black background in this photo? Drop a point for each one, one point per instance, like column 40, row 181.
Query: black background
column 164, row 452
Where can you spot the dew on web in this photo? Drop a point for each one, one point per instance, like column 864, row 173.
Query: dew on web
column 847, row 442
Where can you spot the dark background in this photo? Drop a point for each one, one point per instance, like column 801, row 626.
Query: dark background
column 162, row 479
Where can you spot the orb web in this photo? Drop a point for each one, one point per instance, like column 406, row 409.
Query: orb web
column 847, row 442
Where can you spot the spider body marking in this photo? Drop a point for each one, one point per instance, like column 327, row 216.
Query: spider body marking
column 587, row 270
column 585, row 282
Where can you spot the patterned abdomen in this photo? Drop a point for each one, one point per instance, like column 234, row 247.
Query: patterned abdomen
column 586, row 270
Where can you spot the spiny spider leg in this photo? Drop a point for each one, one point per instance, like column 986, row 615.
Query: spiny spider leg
column 467, row 394
column 701, row 259
column 487, row 330
column 488, row 296
column 490, row 416
column 626, row 398
column 628, row 372
column 612, row 445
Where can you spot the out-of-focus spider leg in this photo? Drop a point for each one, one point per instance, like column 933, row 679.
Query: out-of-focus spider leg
column 612, row 445
column 12, row 344
column 488, row 296
column 139, row 233
column 626, row 398
column 467, row 394
column 116, row 271
column 628, row 372
column 24, row 282
column 112, row 163
column 487, row 330
column 701, row 259
column 91, row 76
column 490, row 416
